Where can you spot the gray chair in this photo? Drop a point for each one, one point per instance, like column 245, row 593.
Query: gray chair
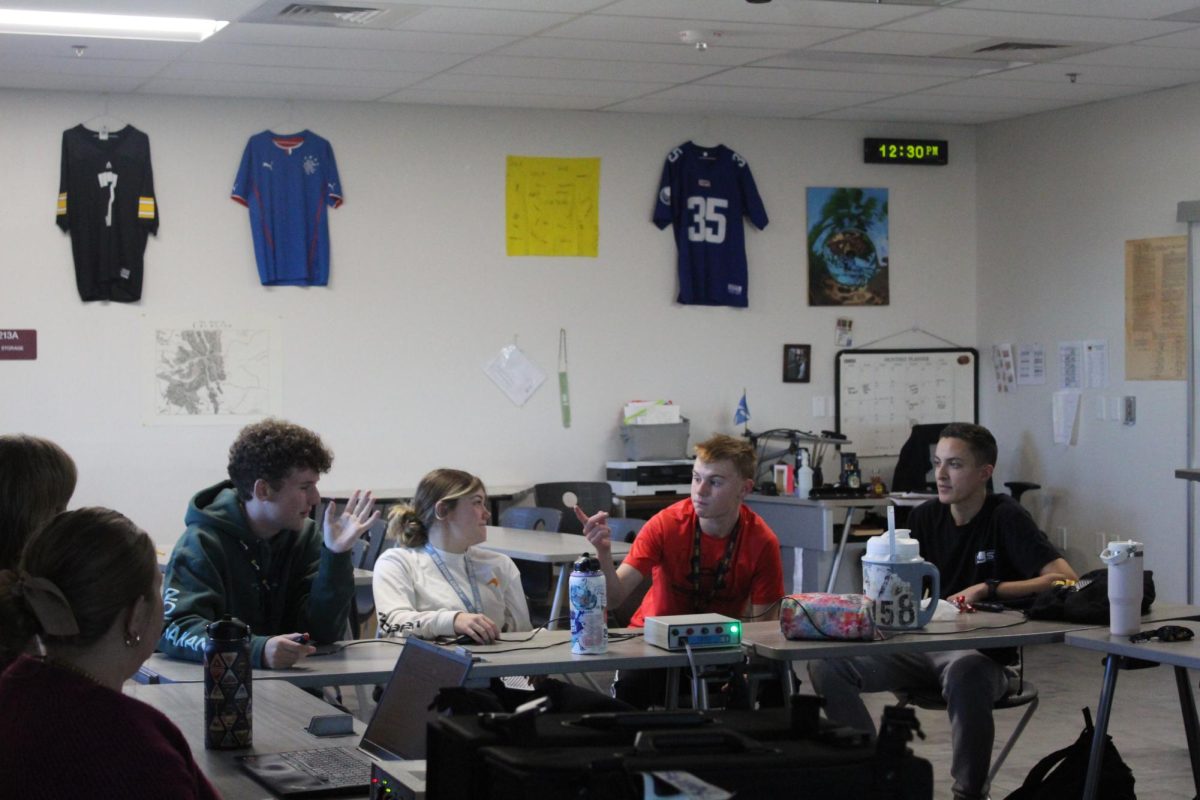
column 537, row 580
column 531, row 518
column 625, row 529
column 592, row 496
column 365, row 554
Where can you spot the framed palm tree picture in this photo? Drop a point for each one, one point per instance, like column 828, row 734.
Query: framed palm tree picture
column 847, row 246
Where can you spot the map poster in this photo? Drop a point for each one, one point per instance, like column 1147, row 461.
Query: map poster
column 212, row 372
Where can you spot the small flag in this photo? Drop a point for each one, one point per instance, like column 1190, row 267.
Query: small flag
column 742, row 415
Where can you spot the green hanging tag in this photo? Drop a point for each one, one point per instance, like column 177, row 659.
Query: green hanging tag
column 564, row 395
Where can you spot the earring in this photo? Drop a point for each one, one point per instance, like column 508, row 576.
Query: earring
column 133, row 639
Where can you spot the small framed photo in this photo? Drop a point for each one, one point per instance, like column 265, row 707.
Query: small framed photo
column 795, row 362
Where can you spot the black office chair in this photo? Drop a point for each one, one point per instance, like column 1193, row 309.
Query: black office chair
column 591, row 496
column 625, row 529
column 531, row 518
column 914, row 466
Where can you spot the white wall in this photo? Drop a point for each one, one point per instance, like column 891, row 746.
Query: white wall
column 385, row 363
column 1058, row 196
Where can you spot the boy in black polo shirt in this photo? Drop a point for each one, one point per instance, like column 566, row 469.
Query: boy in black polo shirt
column 986, row 547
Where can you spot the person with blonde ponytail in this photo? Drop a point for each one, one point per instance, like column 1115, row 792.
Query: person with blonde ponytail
column 438, row 582
column 87, row 593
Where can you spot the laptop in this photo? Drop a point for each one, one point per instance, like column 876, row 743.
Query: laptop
column 396, row 732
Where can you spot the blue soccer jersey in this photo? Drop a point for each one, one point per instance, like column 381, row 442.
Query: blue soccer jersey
column 287, row 182
column 704, row 193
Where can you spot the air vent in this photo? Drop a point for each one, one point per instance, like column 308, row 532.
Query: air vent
column 332, row 14
column 1021, row 47
column 317, row 14
column 1028, row 51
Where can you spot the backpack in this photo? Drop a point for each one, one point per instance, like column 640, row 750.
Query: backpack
column 1085, row 601
column 1063, row 773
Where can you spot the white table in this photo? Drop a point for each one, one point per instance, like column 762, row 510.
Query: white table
column 371, row 661
column 280, row 714
column 980, row 630
column 1180, row 655
column 547, row 547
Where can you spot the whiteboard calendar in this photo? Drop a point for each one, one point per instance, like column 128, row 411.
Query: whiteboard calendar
column 881, row 394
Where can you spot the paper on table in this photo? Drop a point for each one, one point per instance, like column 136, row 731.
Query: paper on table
column 515, row 374
column 1065, row 412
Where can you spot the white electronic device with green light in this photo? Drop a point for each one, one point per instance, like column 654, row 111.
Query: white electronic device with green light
column 698, row 630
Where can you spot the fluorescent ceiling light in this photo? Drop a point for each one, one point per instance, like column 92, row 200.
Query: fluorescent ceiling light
column 108, row 26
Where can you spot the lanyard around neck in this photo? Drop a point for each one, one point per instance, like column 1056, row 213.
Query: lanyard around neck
column 700, row 599
column 477, row 606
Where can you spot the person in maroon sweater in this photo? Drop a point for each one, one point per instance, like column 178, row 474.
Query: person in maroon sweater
column 88, row 590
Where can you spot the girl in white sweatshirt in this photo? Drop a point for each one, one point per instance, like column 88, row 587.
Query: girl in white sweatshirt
column 437, row 582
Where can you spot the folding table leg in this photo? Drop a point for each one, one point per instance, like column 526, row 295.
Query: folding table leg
column 1112, row 664
column 1191, row 727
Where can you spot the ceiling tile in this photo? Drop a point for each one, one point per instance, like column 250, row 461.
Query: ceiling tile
column 1035, row 26
column 784, row 97
column 822, row 79
column 900, row 43
column 51, row 81
column 884, row 115
column 346, row 38
column 473, row 20
column 250, row 88
column 673, row 53
column 583, row 70
column 113, row 67
column 1116, row 76
column 325, row 58
column 497, row 83
column 1065, row 91
column 666, row 31
column 935, row 102
column 1139, row 9
column 1132, row 55
column 582, row 102
column 389, row 81
column 820, row 13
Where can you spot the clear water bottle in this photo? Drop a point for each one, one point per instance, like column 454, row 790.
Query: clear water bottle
column 589, row 607
column 228, row 685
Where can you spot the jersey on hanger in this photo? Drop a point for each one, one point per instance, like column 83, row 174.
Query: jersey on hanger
column 704, row 193
column 106, row 202
column 287, row 182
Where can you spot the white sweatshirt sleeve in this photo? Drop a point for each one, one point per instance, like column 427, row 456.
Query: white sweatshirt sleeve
column 397, row 585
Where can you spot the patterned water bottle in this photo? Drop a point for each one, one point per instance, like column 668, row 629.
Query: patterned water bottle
column 227, row 685
column 589, row 607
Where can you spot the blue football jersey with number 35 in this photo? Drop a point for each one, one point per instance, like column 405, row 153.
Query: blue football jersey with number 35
column 704, row 193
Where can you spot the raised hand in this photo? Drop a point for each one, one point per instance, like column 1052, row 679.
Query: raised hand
column 596, row 530
column 343, row 530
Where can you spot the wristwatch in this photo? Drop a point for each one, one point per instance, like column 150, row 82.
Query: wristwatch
column 993, row 584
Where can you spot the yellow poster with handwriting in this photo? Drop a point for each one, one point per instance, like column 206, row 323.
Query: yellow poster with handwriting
column 553, row 206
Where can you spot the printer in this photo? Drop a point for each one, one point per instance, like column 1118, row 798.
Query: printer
column 669, row 476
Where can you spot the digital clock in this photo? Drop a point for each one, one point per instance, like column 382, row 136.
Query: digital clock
column 906, row 151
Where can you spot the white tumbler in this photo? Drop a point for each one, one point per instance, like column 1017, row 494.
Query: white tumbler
column 1124, row 560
